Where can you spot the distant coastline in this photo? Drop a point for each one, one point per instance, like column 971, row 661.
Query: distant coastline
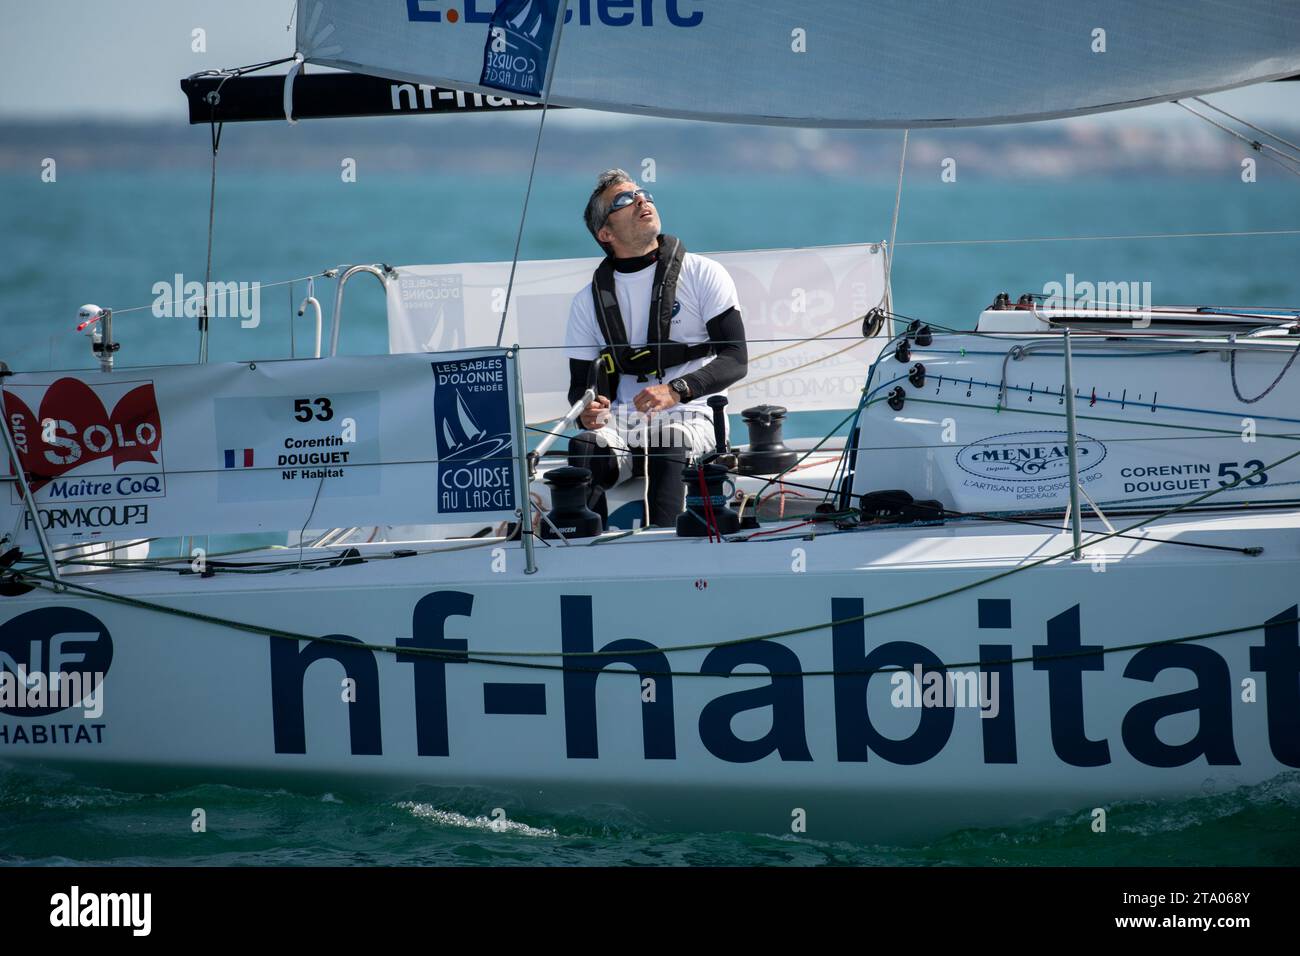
column 495, row 143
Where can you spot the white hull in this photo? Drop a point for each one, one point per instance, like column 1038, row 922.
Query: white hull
column 200, row 701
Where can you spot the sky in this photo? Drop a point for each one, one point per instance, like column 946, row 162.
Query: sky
column 123, row 59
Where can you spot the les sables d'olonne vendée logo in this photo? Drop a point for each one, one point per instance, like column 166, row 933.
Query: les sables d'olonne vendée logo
column 73, row 427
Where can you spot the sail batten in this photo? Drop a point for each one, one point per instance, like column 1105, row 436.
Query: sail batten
column 838, row 63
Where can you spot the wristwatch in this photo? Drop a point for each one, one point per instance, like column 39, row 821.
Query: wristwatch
column 683, row 390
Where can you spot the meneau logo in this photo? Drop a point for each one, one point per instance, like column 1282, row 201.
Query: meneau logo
column 1028, row 456
column 645, row 13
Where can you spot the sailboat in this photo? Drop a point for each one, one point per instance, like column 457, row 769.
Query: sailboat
column 1052, row 566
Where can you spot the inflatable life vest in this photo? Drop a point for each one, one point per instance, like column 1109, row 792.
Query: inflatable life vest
column 660, row 352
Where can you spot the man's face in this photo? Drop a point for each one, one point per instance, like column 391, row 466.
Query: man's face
column 631, row 228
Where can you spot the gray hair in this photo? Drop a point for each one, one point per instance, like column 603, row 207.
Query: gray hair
column 597, row 210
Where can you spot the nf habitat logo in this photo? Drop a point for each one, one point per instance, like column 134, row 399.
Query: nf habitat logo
column 52, row 659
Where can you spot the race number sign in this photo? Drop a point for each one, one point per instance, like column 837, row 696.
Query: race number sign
column 264, row 446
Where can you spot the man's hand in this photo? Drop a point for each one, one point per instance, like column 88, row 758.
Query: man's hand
column 654, row 398
column 594, row 414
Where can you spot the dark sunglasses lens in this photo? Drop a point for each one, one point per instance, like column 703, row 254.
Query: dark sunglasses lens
column 627, row 198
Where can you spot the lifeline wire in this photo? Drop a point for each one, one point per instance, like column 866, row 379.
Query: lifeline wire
column 492, row 661
column 708, row 645
column 865, row 400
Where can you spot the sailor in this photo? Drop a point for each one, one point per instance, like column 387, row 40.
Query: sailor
column 656, row 332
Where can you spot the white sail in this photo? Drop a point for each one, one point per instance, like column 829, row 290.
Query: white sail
column 843, row 63
column 802, row 310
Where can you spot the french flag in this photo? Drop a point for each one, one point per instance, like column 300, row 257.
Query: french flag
column 234, row 459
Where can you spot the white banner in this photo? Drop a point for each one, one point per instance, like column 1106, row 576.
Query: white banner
column 263, row 446
column 786, row 296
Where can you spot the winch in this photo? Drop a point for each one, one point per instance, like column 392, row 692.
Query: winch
column 766, row 453
column 569, row 515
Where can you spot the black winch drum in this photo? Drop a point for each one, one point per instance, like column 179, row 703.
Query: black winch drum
column 569, row 512
column 766, row 453
column 691, row 522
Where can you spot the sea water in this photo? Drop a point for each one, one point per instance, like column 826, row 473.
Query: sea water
column 108, row 236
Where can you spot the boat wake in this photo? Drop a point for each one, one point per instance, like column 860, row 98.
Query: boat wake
column 53, row 820
column 493, row 824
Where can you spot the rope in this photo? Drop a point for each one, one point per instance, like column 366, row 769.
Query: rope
column 1232, row 374
column 1248, row 125
column 213, row 99
column 746, row 383
column 532, row 169
column 795, row 343
column 1285, row 161
column 893, row 226
column 492, row 656
column 1154, row 235
column 787, row 632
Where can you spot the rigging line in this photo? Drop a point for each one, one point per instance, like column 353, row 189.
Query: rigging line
column 463, row 657
column 561, row 12
column 1165, row 235
column 1056, row 526
column 1286, row 159
column 241, row 70
column 1090, row 338
column 1232, row 374
column 303, row 530
column 263, row 285
column 812, row 338
column 1224, row 432
column 893, row 228
column 213, row 99
column 797, row 340
column 778, row 477
column 1246, row 123
column 493, row 659
column 747, row 383
column 787, row 632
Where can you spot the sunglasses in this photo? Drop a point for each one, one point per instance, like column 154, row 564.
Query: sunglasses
column 627, row 199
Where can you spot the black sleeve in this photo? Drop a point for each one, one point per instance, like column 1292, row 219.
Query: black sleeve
column 731, row 356
column 579, row 378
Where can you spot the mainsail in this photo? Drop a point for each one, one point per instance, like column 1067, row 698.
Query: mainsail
column 835, row 63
